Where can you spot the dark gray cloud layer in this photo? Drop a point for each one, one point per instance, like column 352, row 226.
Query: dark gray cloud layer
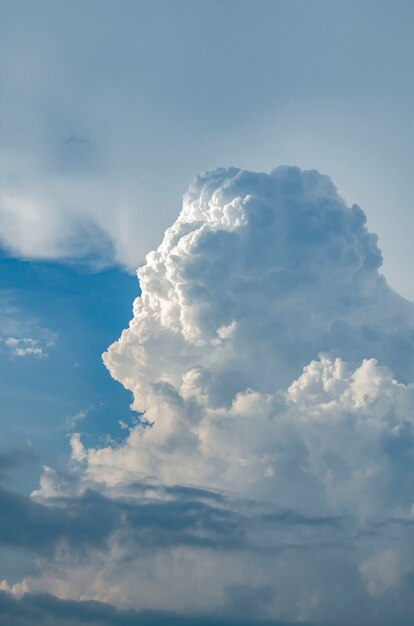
column 47, row 610
column 186, row 516
column 90, row 519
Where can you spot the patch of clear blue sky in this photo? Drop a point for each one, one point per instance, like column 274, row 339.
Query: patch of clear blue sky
column 86, row 311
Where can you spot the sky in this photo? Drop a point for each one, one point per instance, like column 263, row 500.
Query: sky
column 224, row 436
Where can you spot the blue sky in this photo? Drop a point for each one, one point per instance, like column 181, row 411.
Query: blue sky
column 263, row 300
column 80, row 310
column 45, row 399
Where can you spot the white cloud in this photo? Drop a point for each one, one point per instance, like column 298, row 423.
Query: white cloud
column 274, row 366
column 66, row 217
column 329, row 444
column 26, row 346
column 258, row 274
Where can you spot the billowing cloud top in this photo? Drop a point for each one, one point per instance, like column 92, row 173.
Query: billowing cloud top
column 272, row 265
column 263, row 357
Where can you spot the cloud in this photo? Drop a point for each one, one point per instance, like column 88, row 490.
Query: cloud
column 71, row 421
column 163, row 516
column 34, row 224
column 31, row 525
column 26, row 346
column 51, row 611
column 259, row 274
column 381, row 572
column 149, row 527
column 271, row 368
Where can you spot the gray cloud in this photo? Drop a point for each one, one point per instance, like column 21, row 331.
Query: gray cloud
column 30, row 525
column 150, row 517
column 51, row 611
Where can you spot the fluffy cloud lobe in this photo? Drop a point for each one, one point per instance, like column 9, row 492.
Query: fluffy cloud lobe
column 270, row 363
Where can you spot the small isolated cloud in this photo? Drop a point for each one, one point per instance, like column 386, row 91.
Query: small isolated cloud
column 274, row 368
column 27, row 346
column 71, row 421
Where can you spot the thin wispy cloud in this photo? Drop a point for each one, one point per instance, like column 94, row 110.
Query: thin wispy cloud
column 21, row 334
column 72, row 421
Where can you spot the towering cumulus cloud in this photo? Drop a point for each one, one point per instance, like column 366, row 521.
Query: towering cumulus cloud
column 270, row 470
